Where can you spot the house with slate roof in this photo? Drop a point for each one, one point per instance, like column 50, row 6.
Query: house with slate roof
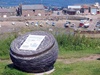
column 6, row 12
column 32, row 10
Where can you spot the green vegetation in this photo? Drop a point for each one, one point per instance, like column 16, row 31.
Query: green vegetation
column 76, row 46
column 61, row 68
column 12, row 71
column 78, row 68
column 6, row 69
column 71, row 46
column 76, row 43
column 5, row 46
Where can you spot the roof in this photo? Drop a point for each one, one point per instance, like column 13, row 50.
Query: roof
column 85, row 6
column 71, row 10
column 93, row 7
column 33, row 7
column 74, row 7
column 65, row 9
column 7, row 10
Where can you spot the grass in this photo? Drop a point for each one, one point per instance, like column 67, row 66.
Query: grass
column 78, row 68
column 72, row 42
column 77, row 54
column 75, row 46
column 8, row 69
column 70, row 46
column 5, row 46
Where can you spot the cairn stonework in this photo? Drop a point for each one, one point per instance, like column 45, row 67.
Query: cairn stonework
column 34, row 52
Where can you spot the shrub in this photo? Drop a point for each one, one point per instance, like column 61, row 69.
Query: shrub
column 5, row 46
column 75, row 42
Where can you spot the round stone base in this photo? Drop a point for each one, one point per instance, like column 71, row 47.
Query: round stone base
column 47, row 72
column 28, row 59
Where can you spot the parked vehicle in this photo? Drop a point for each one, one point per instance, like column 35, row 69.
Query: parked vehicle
column 36, row 24
column 32, row 23
column 53, row 24
column 97, row 29
column 98, row 24
column 86, row 25
column 41, row 24
column 72, row 25
column 66, row 25
column 81, row 24
column 27, row 23
column 68, row 22
column 13, row 23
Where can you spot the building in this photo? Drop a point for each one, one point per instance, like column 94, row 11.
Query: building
column 7, row 12
column 32, row 10
column 57, row 13
column 85, row 9
column 98, row 10
column 77, row 8
column 97, row 4
column 71, row 12
column 66, row 11
column 93, row 10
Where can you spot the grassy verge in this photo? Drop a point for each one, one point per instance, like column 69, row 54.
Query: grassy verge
column 77, row 43
column 78, row 68
column 75, row 46
column 8, row 69
column 77, row 54
column 5, row 46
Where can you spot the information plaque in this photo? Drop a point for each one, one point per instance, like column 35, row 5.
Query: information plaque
column 32, row 42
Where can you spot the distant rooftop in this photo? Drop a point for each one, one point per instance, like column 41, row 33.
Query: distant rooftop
column 33, row 7
column 75, row 7
column 6, row 10
column 85, row 6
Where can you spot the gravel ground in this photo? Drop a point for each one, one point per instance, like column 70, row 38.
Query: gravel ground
column 6, row 26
